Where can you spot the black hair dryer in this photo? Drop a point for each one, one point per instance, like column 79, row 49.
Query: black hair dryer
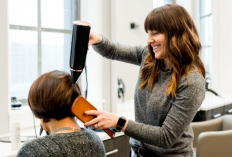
column 79, row 47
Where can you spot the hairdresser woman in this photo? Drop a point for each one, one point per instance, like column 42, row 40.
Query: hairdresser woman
column 170, row 86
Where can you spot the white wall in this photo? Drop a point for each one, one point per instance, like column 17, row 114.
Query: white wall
column 112, row 19
column 222, row 52
column 122, row 14
column 4, row 68
column 95, row 67
column 192, row 6
column 99, row 68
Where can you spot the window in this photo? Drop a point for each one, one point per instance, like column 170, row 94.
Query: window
column 206, row 32
column 40, row 38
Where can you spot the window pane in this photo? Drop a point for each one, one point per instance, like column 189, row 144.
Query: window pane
column 57, row 14
column 206, row 31
column 210, row 30
column 55, row 51
column 23, row 12
column 206, row 57
column 23, row 55
column 202, row 31
column 206, row 7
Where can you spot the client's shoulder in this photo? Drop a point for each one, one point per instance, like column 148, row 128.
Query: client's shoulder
column 55, row 144
column 29, row 147
column 90, row 134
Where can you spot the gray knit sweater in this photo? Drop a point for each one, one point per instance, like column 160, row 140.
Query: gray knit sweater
column 162, row 124
column 84, row 143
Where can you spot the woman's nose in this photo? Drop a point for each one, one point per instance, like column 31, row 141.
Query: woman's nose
column 149, row 40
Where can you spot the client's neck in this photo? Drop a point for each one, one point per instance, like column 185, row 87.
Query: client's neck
column 65, row 122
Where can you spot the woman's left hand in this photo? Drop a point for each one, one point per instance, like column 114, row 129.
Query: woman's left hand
column 103, row 119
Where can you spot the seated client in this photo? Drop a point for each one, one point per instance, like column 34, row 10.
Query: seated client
column 50, row 99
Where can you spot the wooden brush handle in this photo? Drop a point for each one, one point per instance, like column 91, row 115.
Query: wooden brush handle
column 79, row 107
column 110, row 132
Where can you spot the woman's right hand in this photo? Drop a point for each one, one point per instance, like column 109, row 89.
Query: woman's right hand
column 94, row 38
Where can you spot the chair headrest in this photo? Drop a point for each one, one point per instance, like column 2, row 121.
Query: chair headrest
column 227, row 122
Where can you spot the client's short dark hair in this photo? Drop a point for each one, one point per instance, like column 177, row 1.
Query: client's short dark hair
column 51, row 95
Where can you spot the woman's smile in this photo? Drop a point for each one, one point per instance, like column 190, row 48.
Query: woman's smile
column 156, row 47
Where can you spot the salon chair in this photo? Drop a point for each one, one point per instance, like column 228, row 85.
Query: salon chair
column 213, row 138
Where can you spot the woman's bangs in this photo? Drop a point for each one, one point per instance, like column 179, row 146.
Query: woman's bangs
column 154, row 21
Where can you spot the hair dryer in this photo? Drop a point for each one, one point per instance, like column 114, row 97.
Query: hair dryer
column 79, row 47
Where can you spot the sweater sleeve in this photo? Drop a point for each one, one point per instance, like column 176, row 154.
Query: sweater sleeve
column 120, row 52
column 182, row 111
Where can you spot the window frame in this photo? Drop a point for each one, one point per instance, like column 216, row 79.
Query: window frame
column 39, row 29
column 206, row 16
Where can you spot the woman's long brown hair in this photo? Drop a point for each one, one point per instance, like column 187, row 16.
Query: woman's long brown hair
column 182, row 47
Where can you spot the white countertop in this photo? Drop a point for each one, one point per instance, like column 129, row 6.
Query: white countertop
column 211, row 102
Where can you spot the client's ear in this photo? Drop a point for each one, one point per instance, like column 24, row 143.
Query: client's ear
column 46, row 120
column 45, row 125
